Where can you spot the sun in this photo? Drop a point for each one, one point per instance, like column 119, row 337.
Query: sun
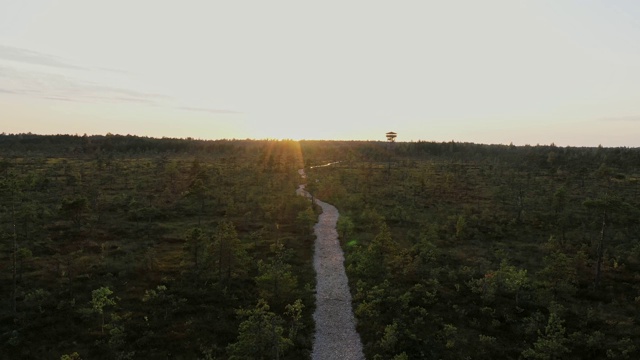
column 285, row 129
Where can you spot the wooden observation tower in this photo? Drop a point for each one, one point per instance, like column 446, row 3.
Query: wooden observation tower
column 391, row 136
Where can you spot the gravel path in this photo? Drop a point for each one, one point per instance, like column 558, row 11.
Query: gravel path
column 336, row 336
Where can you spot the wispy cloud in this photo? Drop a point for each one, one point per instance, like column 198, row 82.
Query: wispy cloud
column 60, row 87
column 622, row 118
column 125, row 92
column 57, row 84
column 115, row 71
column 135, row 100
column 34, row 57
column 58, row 98
column 212, row 111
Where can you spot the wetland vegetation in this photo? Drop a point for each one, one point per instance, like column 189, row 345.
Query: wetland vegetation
column 131, row 247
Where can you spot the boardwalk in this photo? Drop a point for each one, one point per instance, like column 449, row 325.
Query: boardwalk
column 336, row 336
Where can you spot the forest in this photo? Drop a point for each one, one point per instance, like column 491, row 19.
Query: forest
column 469, row 251
column 122, row 247
column 127, row 247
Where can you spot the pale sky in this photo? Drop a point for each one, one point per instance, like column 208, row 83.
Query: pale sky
column 527, row 72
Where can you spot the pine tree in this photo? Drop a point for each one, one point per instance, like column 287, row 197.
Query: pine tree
column 228, row 256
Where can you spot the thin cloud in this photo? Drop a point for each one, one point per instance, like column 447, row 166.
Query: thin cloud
column 622, row 118
column 126, row 92
column 116, row 71
column 212, row 111
column 34, row 57
column 136, row 100
column 58, row 98
column 37, row 58
column 59, row 87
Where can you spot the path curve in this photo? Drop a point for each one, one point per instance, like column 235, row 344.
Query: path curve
column 336, row 336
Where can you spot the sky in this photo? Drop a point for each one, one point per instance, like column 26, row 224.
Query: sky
column 495, row 72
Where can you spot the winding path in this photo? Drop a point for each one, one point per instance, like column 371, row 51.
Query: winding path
column 336, row 336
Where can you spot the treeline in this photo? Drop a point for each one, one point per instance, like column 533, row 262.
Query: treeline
column 467, row 251
column 110, row 143
column 123, row 247
column 543, row 156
